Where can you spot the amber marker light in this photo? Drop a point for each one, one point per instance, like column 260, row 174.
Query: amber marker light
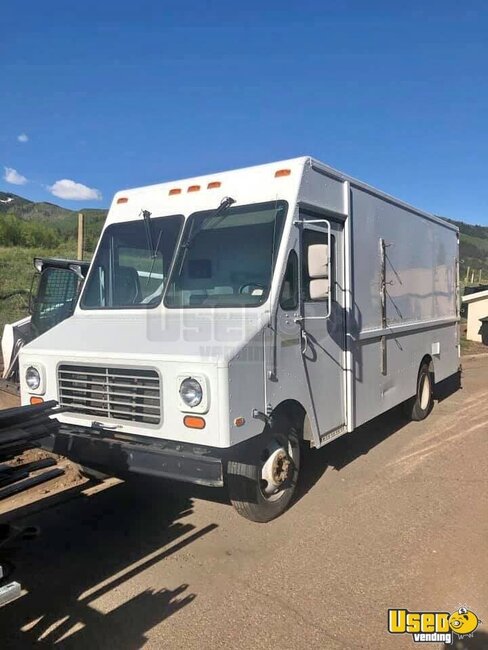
column 123, row 199
column 282, row 172
column 175, row 190
column 194, row 422
column 213, row 185
column 194, row 188
column 36, row 400
column 238, row 422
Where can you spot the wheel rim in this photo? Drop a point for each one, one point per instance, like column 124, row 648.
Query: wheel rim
column 424, row 392
column 279, row 468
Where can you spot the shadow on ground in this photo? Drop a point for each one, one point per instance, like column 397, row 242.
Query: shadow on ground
column 351, row 446
column 88, row 547
column 348, row 448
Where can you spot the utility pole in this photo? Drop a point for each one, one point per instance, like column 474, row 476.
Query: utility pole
column 481, row 271
column 80, row 235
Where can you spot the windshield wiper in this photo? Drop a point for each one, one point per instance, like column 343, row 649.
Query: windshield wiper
column 146, row 215
column 224, row 205
column 179, row 259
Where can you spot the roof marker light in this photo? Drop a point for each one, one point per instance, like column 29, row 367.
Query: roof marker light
column 194, row 188
column 282, row 172
column 122, row 199
column 213, row 185
column 175, row 190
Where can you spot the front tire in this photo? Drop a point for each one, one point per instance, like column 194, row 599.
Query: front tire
column 422, row 404
column 261, row 491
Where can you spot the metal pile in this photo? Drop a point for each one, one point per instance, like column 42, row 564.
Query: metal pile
column 21, row 428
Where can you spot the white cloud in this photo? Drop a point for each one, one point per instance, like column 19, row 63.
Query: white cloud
column 66, row 189
column 12, row 176
column 23, row 137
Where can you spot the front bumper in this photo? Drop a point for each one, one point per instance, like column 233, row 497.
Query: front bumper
column 102, row 450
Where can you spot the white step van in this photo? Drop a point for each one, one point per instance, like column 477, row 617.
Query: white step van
column 228, row 319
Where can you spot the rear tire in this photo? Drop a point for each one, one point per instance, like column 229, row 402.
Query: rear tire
column 253, row 496
column 419, row 407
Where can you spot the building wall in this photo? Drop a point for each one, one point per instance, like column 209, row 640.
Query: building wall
column 476, row 310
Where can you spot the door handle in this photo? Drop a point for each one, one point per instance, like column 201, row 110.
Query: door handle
column 304, row 341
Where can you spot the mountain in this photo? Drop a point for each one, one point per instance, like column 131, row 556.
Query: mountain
column 43, row 211
column 473, row 249
column 45, row 225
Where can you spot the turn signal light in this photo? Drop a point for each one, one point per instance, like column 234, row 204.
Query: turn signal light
column 123, row 199
column 193, row 422
column 282, row 172
column 36, row 400
column 213, row 185
column 175, row 190
column 194, row 188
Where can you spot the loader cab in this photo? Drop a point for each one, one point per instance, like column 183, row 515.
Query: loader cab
column 54, row 291
column 55, row 288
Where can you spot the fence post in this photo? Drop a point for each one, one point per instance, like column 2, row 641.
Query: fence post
column 80, row 235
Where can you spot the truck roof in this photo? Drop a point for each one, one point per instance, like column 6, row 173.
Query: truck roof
column 259, row 178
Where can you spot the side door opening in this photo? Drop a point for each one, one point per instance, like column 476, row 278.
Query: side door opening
column 321, row 315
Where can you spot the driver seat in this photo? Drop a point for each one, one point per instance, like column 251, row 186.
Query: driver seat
column 127, row 286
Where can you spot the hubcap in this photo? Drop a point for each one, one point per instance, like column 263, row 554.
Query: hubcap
column 425, row 393
column 278, row 469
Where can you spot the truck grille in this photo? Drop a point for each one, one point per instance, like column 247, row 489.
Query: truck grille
column 116, row 393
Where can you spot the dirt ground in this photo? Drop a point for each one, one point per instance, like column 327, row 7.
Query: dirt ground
column 394, row 515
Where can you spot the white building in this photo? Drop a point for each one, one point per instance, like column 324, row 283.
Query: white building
column 477, row 309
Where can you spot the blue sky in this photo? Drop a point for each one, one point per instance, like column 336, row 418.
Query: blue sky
column 113, row 94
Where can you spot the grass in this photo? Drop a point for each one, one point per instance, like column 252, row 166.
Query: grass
column 16, row 272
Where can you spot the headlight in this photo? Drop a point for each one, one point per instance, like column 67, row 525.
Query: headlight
column 32, row 378
column 191, row 392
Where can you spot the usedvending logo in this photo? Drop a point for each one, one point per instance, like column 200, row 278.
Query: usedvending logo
column 429, row 627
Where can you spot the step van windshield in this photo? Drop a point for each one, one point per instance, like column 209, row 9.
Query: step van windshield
column 227, row 260
column 126, row 273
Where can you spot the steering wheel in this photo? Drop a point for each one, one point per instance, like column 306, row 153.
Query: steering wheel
column 254, row 285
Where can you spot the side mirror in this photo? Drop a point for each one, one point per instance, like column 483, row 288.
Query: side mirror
column 318, row 271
